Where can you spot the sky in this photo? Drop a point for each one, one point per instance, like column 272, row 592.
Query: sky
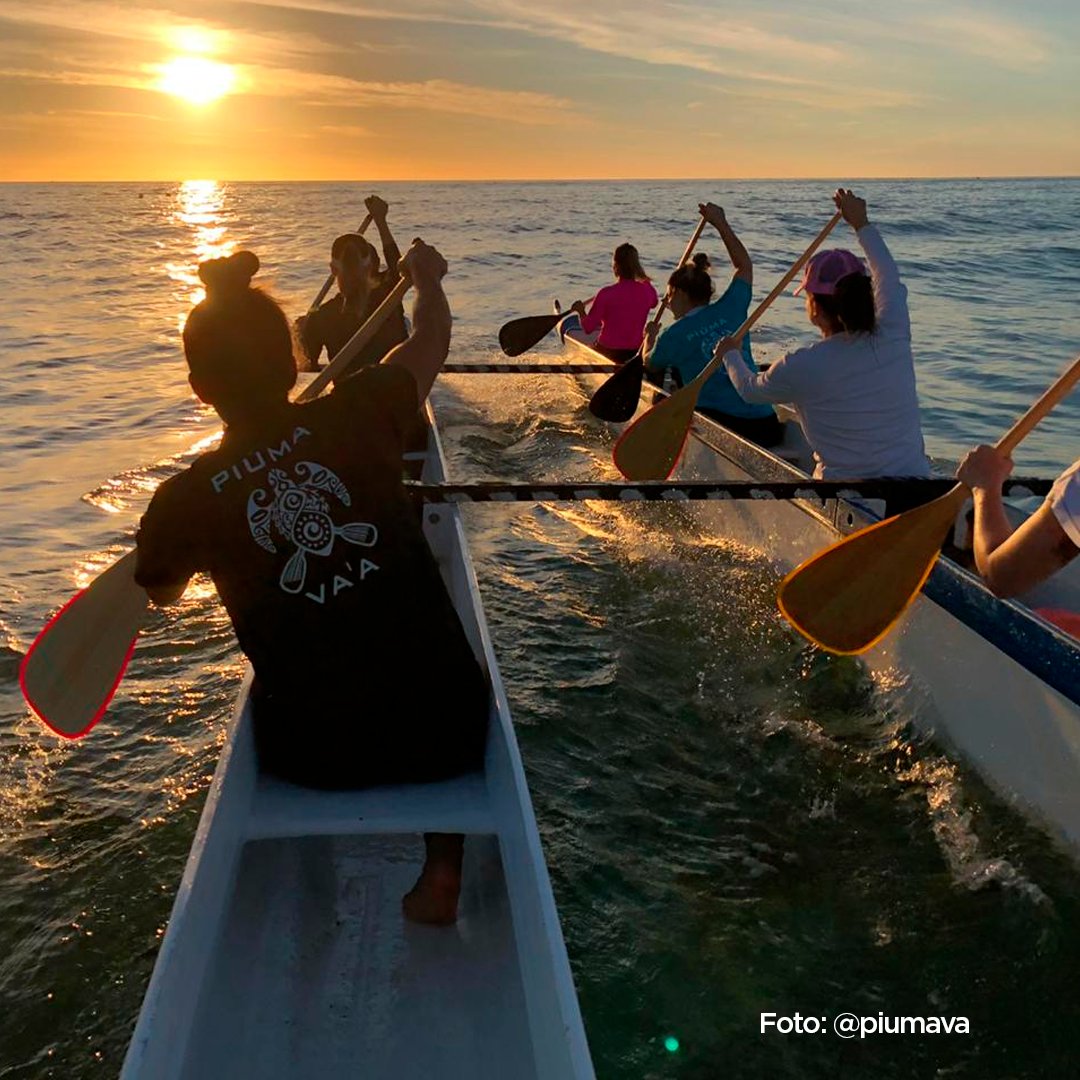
column 514, row 89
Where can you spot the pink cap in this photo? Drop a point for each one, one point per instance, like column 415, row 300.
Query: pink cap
column 826, row 268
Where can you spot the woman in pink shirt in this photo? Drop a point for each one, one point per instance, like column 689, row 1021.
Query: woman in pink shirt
column 619, row 311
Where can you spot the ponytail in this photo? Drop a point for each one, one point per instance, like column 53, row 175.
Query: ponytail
column 851, row 306
column 628, row 264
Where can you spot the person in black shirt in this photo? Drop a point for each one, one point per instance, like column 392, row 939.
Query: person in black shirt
column 362, row 287
column 364, row 674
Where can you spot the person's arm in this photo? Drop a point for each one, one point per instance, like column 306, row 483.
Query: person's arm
column 592, row 319
column 378, row 209
column 890, row 293
column 654, row 350
column 165, row 559
column 310, row 338
column 424, row 352
column 1011, row 562
column 781, row 383
column 740, row 257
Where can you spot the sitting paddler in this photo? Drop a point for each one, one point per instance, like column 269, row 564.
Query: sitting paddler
column 363, row 674
column 619, row 311
column 687, row 346
column 1013, row 561
column 855, row 389
column 362, row 287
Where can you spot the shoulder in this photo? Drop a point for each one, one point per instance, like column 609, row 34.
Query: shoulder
column 738, row 292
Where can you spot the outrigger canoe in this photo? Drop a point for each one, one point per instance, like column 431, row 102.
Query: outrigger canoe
column 990, row 678
column 287, row 954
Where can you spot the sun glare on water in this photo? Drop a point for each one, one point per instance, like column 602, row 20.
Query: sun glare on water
column 196, row 79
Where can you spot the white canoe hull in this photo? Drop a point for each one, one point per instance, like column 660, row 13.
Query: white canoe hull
column 287, row 954
column 988, row 677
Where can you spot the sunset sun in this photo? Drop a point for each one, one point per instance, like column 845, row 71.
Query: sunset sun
column 196, row 79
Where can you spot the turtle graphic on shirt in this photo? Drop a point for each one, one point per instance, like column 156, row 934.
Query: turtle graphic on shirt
column 300, row 514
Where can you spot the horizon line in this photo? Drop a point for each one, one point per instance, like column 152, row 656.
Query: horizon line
column 545, row 180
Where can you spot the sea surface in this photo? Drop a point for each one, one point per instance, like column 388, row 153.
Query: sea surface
column 733, row 824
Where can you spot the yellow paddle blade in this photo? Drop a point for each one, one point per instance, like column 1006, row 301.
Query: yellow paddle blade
column 73, row 668
column 650, row 448
column 848, row 597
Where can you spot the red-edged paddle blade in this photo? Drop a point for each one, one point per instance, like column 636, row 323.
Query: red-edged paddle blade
column 617, row 400
column 73, row 668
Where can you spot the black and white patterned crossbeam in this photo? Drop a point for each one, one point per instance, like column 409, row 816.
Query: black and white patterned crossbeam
column 911, row 488
column 527, row 369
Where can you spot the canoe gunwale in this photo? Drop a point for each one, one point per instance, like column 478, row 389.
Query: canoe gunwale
column 1046, row 651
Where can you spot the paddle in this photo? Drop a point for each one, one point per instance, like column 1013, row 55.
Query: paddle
column 617, row 400
column 321, row 295
column 650, row 448
column 847, row 598
column 75, row 664
column 520, row 335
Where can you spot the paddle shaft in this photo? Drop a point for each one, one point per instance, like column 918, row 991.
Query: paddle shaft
column 361, row 229
column 347, row 353
column 782, row 284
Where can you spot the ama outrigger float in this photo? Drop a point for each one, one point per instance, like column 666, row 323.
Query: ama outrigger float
column 287, row 954
column 989, row 678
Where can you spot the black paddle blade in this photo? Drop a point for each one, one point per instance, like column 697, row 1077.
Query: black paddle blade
column 520, row 335
column 617, row 400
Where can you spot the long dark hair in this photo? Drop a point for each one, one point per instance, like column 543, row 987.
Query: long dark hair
column 238, row 341
column 694, row 282
column 851, row 307
column 628, row 264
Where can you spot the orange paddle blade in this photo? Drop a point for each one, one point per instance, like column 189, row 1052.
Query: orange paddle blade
column 650, row 448
column 74, row 667
column 847, row 598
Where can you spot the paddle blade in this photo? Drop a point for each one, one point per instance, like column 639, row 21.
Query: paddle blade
column 847, row 598
column 74, row 667
column 650, row 448
column 520, row 335
column 617, row 400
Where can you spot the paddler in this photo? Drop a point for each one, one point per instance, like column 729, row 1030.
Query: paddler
column 1013, row 561
column 700, row 321
column 363, row 672
column 619, row 311
column 855, row 389
column 362, row 287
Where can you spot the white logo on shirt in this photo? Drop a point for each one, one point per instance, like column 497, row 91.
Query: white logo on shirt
column 301, row 516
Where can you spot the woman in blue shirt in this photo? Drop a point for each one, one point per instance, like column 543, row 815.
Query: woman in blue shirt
column 700, row 322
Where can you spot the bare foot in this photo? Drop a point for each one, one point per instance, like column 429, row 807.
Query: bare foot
column 433, row 900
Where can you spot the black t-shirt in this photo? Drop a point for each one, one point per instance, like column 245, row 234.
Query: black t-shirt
column 333, row 324
column 318, row 556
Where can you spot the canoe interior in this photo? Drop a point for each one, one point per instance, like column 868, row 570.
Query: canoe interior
column 287, row 954
column 329, row 980
column 988, row 678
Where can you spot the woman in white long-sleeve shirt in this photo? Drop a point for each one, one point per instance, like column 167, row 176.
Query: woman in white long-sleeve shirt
column 855, row 389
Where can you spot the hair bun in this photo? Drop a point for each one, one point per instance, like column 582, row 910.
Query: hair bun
column 233, row 274
column 701, row 261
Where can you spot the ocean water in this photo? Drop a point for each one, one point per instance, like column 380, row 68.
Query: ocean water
column 734, row 824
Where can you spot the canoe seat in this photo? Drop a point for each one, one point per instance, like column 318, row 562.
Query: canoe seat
column 284, row 809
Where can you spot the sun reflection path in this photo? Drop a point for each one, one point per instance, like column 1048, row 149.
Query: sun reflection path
column 200, row 206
